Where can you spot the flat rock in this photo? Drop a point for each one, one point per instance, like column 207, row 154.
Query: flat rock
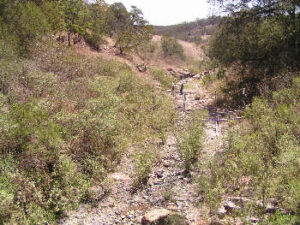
column 221, row 212
column 155, row 216
column 120, row 177
column 230, row 206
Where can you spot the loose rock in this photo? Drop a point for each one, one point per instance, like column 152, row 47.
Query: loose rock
column 155, row 217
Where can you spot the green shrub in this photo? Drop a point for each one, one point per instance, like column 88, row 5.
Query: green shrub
column 163, row 78
column 96, row 136
column 174, row 219
column 53, row 14
column 262, row 161
column 33, row 173
column 163, row 116
column 24, row 24
column 171, row 47
column 143, row 163
column 94, row 40
column 57, row 143
column 191, row 139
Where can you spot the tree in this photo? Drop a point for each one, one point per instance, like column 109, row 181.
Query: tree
column 130, row 28
column 98, row 22
column 260, row 38
column 54, row 15
column 118, row 18
column 22, row 23
column 76, row 17
column 171, row 47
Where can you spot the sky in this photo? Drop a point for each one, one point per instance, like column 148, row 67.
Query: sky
column 169, row 12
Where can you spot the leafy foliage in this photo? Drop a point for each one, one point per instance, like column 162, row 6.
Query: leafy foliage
column 75, row 16
column 191, row 139
column 259, row 42
column 130, row 28
column 22, row 23
column 143, row 163
column 262, row 162
column 171, row 47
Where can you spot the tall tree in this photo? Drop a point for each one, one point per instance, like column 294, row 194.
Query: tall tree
column 130, row 28
column 22, row 23
column 98, row 24
column 261, row 38
column 76, row 17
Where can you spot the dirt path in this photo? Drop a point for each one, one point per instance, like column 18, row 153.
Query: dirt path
column 168, row 187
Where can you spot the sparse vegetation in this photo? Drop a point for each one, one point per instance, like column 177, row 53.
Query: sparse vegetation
column 143, row 162
column 168, row 194
column 191, row 139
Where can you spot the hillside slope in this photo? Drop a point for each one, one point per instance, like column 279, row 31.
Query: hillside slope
column 196, row 31
column 194, row 54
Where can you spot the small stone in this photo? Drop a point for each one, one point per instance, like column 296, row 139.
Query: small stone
column 230, row 206
column 172, row 207
column 221, row 212
column 254, row 220
column 197, row 97
column 167, row 164
column 141, row 67
column 159, row 174
column 271, row 208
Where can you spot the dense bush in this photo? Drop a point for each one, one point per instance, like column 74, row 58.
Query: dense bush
column 36, row 178
column 22, row 23
column 25, row 22
column 261, row 162
column 171, row 47
column 259, row 43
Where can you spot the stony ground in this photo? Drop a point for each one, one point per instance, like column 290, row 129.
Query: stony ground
column 168, row 186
